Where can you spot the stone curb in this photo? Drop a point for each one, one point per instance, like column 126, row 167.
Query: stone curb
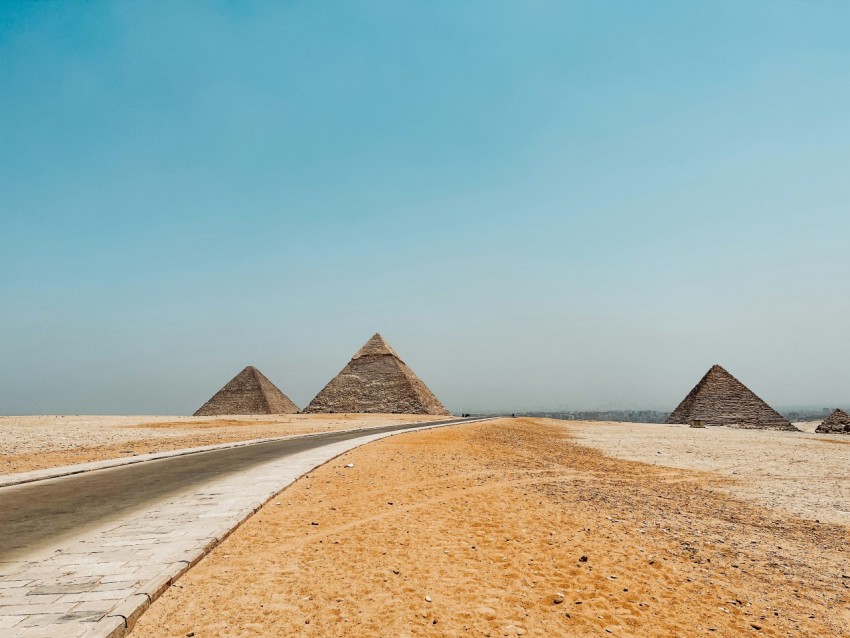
column 120, row 622
column 19, row 478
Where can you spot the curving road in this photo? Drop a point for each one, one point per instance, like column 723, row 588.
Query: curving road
column 38, row 514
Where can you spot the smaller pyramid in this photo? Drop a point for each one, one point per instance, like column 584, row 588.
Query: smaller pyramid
column 720, row 399
column 376, row 380
column 836, row 423
column 249, row 392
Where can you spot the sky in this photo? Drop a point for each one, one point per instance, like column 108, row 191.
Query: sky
column 540, row 205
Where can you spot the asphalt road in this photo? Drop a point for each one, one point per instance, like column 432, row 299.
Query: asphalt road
column 42, row 513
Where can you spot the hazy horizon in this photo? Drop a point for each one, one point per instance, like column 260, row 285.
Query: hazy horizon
column 541, row 206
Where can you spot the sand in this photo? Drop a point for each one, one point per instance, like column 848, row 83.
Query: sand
column 510, row 528
column 39, row 442
column 801, row 474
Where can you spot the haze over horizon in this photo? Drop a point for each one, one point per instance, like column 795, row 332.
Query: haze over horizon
column 539, row 205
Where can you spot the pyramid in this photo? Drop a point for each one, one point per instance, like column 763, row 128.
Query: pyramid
column 838, row 421
column 720, row 399
column 376, row 380
column 249, row 392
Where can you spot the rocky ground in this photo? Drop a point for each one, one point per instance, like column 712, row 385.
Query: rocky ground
column 38, row 442
column 511, row 528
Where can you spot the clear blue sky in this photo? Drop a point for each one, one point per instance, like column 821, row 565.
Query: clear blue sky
column 540, row 205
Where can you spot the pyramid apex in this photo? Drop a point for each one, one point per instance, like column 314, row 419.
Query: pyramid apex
column 376, row 345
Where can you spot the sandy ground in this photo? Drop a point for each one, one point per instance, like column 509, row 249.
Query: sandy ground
column 510, row 528
column 38, row 442
column 803, row 474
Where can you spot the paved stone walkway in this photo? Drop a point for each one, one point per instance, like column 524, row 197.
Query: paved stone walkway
column 97, row 585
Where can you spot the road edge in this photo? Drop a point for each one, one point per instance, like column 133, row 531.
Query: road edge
column 21, row 478
column 120, row 621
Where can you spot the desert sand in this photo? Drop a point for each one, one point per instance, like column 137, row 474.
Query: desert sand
column 39, row 442
column 801, row 474
column 511, row 528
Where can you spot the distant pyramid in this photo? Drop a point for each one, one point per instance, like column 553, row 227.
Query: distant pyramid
column 720, row 399
column 838, row 421
column 249, row 392
column 376, row 380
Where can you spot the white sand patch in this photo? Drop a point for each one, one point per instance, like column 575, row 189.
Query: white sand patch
column 26, row 434
column 800, row 473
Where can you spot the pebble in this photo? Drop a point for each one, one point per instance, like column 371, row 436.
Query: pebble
column 427, row 599
column 350, row 465
column 557, row 599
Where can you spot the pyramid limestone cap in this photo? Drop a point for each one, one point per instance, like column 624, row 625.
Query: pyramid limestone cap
column 376, row 346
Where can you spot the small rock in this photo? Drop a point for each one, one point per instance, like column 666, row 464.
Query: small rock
column 583, row 559
column 557, row 599
column 427, row 599
column 755, row 626
column 350, row 465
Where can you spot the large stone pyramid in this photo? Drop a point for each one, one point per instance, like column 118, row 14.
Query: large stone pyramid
column 720, row 399
column 837, row 422
column 376, row 380
column 249, row 392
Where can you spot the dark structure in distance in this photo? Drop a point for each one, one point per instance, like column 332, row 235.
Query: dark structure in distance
column 625, row 416
column 836, row 423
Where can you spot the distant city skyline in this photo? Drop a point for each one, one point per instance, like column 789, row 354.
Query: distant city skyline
column 539, row 205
